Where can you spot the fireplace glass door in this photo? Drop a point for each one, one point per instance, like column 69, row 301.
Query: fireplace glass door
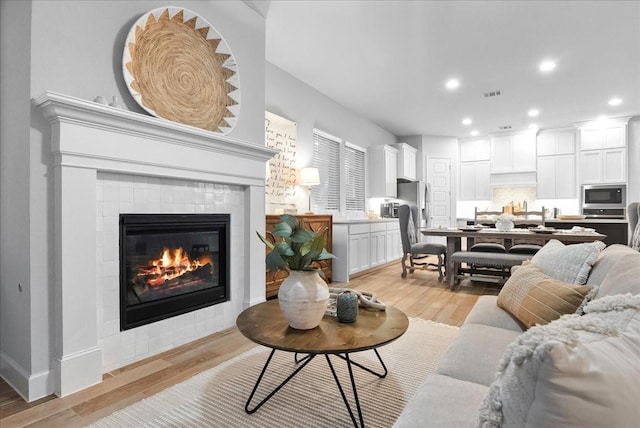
column 171, row 264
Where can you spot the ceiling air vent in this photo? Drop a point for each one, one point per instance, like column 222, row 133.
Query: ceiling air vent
column 494, row 93
column 502, row 128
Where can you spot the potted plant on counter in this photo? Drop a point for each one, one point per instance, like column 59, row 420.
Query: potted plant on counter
column 303, row 296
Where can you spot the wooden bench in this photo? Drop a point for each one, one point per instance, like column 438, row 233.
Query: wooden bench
column 494, row 264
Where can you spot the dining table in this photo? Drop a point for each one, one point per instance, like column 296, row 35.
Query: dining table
column 455, row 236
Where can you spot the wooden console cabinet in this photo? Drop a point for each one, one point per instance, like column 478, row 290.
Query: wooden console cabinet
column 322, row 224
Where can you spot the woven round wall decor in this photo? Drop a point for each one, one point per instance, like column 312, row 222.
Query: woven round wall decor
column 179, row 68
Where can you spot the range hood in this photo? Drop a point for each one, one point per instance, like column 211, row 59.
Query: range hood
column 513, row 179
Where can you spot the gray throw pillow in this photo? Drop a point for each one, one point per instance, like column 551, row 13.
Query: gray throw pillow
column 568, row 263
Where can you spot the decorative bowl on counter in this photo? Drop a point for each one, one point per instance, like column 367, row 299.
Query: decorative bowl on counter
column 571, row 217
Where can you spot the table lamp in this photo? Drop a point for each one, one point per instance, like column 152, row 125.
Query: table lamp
column 309, row 177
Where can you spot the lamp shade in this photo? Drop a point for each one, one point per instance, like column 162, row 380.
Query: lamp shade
column 309, row 177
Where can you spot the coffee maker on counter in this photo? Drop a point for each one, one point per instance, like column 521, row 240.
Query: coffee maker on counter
column 389, row 210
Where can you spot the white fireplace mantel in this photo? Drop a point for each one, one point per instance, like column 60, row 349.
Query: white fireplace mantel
column 87, row 138
column 146, row 144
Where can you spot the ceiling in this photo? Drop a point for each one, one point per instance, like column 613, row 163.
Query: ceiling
column 388, row 60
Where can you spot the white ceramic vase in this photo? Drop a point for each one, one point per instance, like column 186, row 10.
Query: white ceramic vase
column 303, row 298
column 504, row 225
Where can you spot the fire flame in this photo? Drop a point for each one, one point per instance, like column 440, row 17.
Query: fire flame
column 171, row 265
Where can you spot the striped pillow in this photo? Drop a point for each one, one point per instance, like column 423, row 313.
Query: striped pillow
column 531, row 297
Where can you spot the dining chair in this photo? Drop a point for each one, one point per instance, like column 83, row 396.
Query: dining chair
column 528, row 219
column 412, row 248
column 486, row 218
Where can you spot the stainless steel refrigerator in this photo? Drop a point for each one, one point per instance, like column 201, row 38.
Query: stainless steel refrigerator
column 415, row 193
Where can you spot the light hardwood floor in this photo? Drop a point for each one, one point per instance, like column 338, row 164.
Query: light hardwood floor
column 419, row 295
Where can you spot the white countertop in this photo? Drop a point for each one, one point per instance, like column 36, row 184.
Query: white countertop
column 589, row 220
column 363, row 220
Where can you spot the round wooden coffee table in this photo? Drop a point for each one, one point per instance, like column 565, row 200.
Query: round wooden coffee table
column 264, row 324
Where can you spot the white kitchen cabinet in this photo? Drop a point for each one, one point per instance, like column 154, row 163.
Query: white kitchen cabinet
column 603, row 166
column 610, row 136
column 556, row 167
column 603, row 152
column 566, row 176
column 383, row 171
column 560, row 142
column 378, row 248
column 501, row 156
column 475, row 150
column 394, row 242
column 360, row 246
column 546, row 145
column 359, row 258
column 474, row 181
column 513, row 153
column 556, row 177
column 407, row 162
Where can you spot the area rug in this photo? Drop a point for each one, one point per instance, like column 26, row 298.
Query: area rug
column 216, row 398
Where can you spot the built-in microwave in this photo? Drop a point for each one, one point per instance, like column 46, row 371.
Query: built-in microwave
column 604, row 200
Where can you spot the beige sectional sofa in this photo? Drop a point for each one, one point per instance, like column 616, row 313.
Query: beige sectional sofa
column 579, row 371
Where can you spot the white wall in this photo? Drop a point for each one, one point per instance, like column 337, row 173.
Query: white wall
column 75, row 48
column 288, row 97
column 15, row 319
column 437, row 146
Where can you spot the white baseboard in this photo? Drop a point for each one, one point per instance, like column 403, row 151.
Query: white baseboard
column 29, row 386
column 78, row 371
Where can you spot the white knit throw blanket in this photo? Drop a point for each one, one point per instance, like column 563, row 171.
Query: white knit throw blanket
column 531, row 348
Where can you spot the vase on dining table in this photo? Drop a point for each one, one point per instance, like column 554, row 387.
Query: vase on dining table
column 504, row 225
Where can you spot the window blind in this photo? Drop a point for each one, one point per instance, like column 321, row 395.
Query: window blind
column 354, row 173
column 326, row 157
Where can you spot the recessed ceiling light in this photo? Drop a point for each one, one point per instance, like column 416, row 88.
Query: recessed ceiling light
column 615, row 101
column 466, row 121
column 547, row 65
column 533, row 112
column 474, row 133
column 452, row 83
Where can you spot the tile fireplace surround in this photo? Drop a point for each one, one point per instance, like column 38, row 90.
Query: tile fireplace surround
column 109, row 161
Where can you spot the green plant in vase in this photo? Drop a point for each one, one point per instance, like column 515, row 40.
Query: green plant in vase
column 303, row 296
column 298, row 249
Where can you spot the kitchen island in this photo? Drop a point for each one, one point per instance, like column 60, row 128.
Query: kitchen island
column 362, row 244
column 617, row 230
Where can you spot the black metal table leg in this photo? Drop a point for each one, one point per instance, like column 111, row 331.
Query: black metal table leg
column 380, row 375
column 298, row 361
column 344, row 397
column 359, row 422
column 353, row 384
column 304, row 361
